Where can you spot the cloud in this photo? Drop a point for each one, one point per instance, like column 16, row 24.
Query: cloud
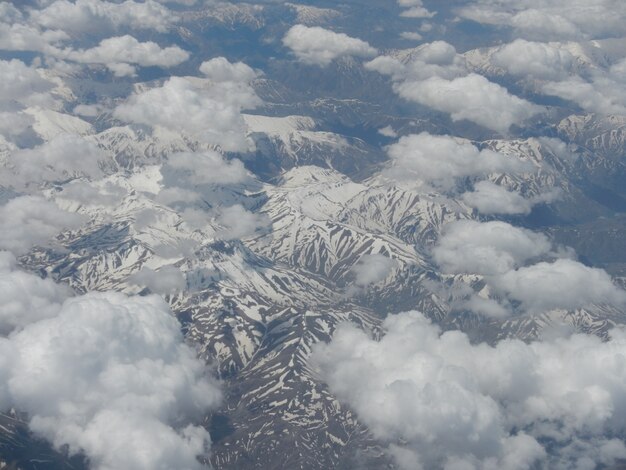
column 118, row 52
column 91, row 194
column 603, row 94
column 437, row 76
column 487, row 248
column 65, row 156
column 236, row 222
column 440, row 161
column 202, row 168
column 539, row 60
column 411, row 36
column 21, row 83
column 89, row 16
column 564, row 284
column 388, row 131
column 24, row 37
column 24, row 297
column 210, row 112
column 473, row 98
column 32, row 220
column 220, row 70
column 551, row 69
column 501, row 253
column 162, row 281
column 557, row 19
column 372, row 269
column 490, row 198
column 14, row 123
column 111, row 372
column 440, row 401
column 415, row 9
column 319, row 46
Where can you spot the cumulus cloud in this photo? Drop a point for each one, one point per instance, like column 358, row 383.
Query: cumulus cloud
column 473, row 98
column 202, row 168
column 539, row 60
column 490, row 198
column 487, row 248
column 220, row 70
column 602, row 94
column 440, row 401
column 411, row 36
column 14, row 123
column 165, row 280
column 502, row 253
column 437, row 76
column 63, row 157
column 564, row 283
column 90, row 194
column 21, row 83
column 24, row 297
column 210, row 112
column 372, row 269
column 25, row 37
column 319, row 46
column 415, row 9
column 117, row 53
column 89, row 16
column 551, row 69
column 32, row 220
column 237, row 222
column 111, row 372
column 440, row 161
column 557, row 19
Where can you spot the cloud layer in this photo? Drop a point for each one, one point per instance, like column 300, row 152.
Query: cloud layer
column 209, row 111
column 441, row 402
column 104, row 374
column 319, row 46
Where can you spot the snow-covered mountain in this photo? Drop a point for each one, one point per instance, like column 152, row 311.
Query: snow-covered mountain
column 272, row 203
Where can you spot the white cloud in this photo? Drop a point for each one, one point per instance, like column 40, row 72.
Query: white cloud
column 118, row 52
column 162, row 281
column 441, row 402
column 564, row 283
column 415, row 9
column 24, row 37
column 32, row 220
column 90, row 194
column 236, row 222
column 319, row 46
column 387, row 131
column 24, row 297
column 487, row 248
column 14, row 123
column 473, row 98
column 490, row 198
column 211, row 112
column 539, row 60
column 502, row 252
column 411, row 36
column 220, row 70
column 437, row 76
column 441, row 160
column 111, row 372
column 63, row 157
column 372, row 269
column 89, row 16
column 604, row 94
column 202, row 168
column 557, row 19
column 21, row 83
